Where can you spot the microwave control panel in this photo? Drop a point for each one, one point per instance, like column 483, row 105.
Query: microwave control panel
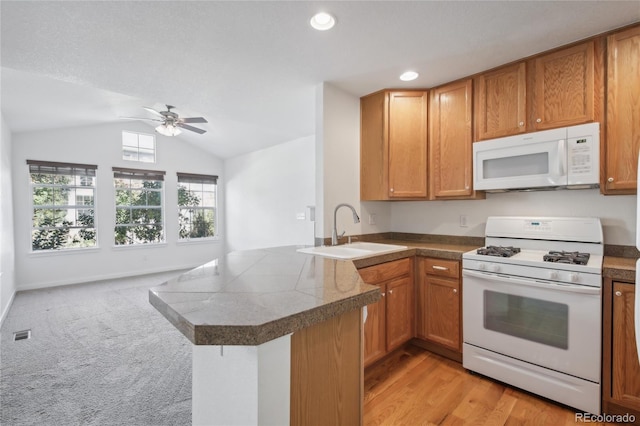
column 583, row 156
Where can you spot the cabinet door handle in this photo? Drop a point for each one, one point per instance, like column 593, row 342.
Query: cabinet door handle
column 610, row 180
column 439, row 268
column 455, row 290
column 391, row 190
column 618, row 293
column 521, row 123
column 384, row 294
column 539, row 120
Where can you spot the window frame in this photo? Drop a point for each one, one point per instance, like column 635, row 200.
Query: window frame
column 143, row 176
column 193, row 178
column 55, row 168
column 138, row 134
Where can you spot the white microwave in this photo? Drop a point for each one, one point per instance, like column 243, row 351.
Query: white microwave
column 568, row 157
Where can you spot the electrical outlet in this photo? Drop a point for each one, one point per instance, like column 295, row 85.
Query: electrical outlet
column 463, row 221
column 301, row 216
column 372, row 219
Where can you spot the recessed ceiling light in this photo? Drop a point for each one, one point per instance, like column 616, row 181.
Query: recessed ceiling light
column 409, row 75
column 322, row 21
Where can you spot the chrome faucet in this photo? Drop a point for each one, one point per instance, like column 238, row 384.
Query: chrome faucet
column 334, row 234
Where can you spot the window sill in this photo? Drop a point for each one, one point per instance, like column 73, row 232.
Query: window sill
column 64, row 252
column 139, row 246
column 209, row 240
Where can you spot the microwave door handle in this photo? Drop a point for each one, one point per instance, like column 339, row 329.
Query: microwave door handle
column 569, row 288
column 562, row 156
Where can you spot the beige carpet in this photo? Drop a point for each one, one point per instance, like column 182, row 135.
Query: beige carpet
column 99, row 354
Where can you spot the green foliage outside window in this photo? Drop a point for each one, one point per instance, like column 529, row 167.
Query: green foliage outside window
column 196, row 214
column 138, row 212
column 57, row 222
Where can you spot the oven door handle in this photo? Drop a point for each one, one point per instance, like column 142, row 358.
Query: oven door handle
column 569, row 288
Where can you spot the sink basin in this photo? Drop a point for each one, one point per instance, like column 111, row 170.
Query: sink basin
column 353, row 250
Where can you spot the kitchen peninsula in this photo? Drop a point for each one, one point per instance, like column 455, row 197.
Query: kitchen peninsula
column 276, row 336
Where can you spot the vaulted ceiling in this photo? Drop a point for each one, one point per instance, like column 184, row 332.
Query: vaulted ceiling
column 252, row 67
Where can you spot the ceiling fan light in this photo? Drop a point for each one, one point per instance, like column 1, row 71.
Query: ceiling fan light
column 168, row 130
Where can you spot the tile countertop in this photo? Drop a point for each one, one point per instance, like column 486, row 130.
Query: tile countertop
column 420, row 248
column 254, row 296
column 622, row 267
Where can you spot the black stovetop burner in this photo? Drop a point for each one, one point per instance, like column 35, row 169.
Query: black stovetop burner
column 572, row 257
column 499, row 251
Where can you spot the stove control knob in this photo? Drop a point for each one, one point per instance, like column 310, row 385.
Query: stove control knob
column 496, row 268
column 482, row 266
column 553, row 275
column 574, row 277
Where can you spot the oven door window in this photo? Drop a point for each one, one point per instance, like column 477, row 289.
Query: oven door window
column 535, row 320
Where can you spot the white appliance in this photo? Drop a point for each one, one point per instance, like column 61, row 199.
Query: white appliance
column 532, row 307
column 568, row 157
column 637, row 304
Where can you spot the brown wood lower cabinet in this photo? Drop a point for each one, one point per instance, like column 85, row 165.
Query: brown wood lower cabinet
column 438, row 306
column 621, row 369
column 389, row 322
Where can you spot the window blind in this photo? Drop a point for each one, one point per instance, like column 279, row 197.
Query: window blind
column 56, row 168
column 123, row 173
column 196, row 178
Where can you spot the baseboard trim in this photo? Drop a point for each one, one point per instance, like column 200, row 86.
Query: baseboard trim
column 104, row 277
column 438, row 349
column 5, row 313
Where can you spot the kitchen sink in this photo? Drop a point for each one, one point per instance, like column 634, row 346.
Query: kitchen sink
column 352, row 251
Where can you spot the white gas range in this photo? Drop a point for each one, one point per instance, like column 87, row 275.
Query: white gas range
column 532, row 307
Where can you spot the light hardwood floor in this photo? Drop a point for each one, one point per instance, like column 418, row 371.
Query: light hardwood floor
column 416, row 387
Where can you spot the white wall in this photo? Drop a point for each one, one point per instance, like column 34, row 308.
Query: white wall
column 340, row 123
column 265, row 191
column 102, row 145
column 617, row 213
column 339, row 119
column 7, row 258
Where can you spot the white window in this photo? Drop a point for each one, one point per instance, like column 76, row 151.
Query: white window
column 139, row 201
column 138, row 147
column 197, row 206
column 63, row 200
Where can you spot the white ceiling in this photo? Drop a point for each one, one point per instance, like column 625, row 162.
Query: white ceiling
column 252, row 67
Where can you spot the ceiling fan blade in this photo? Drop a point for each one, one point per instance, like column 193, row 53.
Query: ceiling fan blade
column 193, row 129
column 193, row 120
column 153, row 111
column 141, row 118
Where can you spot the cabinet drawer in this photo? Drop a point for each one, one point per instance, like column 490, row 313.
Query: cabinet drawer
column 386, row 271
column 442, row 268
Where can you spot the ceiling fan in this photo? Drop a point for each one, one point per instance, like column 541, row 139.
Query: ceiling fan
column 171, row 122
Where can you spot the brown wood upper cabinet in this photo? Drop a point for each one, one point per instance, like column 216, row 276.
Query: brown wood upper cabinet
column 564, row 88
column 619, row 157
column 501, row 102
column 548, row 91
column 393, row 145
column 450, row 141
